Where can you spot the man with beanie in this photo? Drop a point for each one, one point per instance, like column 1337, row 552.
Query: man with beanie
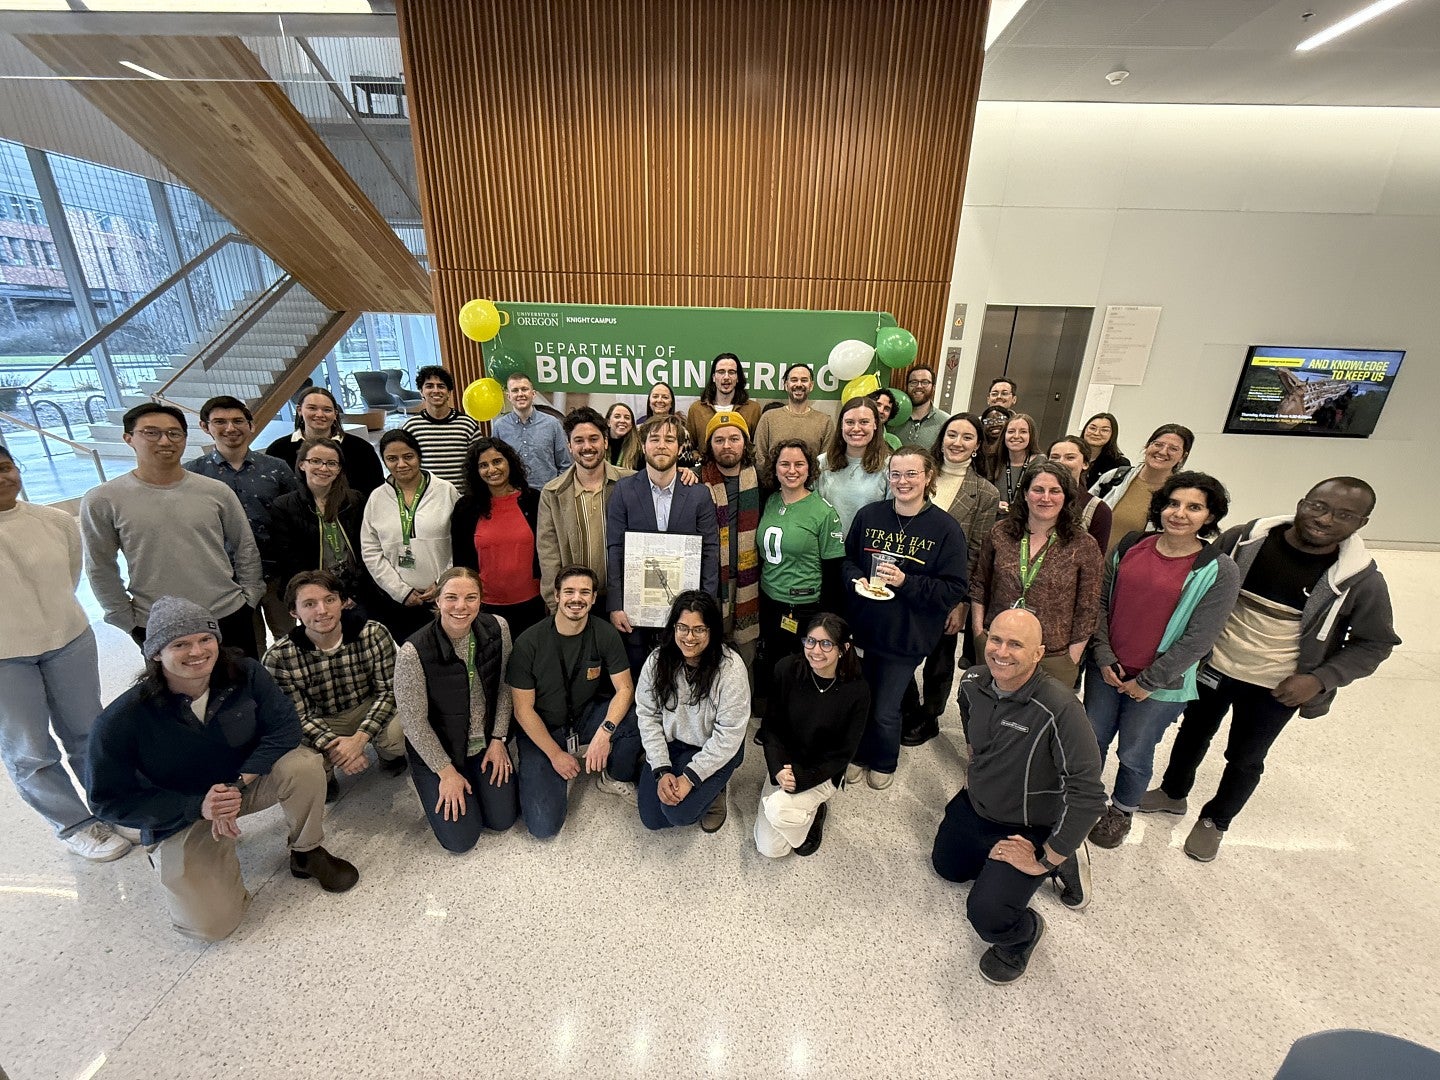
column 200, row 741
column 1032, row 793
column 728, row 470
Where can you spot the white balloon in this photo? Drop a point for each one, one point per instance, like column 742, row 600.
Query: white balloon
column 850, row 358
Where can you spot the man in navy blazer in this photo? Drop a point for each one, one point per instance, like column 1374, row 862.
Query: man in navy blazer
column 640, row 503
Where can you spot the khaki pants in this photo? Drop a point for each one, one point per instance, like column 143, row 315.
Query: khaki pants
column 389, row 744
column 201, row 875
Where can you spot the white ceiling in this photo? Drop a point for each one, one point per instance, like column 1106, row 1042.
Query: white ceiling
column 1215, row 52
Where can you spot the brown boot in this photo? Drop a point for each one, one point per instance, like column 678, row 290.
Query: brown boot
column 334, row 875
column 1111, row 829
column 714, row 815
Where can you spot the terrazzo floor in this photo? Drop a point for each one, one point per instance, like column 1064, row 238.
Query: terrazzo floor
column 610, row 952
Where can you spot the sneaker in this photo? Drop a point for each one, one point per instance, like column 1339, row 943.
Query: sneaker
column 395, row 766
column 816, row 833
column 1001, row 966
column 1157, row 802
column 332, row 789
column 854, row 773
column 97, row 842
column 1111, row 829
column 610, row 786
column 1072, row 879
column 919, row 730
column 133, row 835
column 1203, row 843
column 334, row 875
column 879, row 780
column 714, row 815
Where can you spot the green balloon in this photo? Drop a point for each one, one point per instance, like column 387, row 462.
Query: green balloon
column 903, row 408
column 501, row 364
column 895, row 347
column 892, row 440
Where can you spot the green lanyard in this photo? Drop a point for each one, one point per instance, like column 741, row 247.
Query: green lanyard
column 470, row 656
column 1029, row 570
column 330, row 532
column 407, row 517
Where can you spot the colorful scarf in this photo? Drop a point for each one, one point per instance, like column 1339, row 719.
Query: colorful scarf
column 745, row 517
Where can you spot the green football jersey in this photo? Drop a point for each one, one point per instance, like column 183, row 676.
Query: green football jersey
column 793, row 542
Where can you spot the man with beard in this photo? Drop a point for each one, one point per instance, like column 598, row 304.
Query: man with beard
column 570, row 525
column 1313, row 615
column 561, row 703
column 654, row 500
column 729, row 472
column 796, row 420
column 925, row 421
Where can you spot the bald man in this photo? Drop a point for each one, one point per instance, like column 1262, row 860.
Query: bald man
column 1033, row 758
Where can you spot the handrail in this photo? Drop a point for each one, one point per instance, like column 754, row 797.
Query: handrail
column 88, row 345
column 44, row 434
column 243, row 322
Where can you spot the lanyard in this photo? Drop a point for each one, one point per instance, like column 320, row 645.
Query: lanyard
column 1029, row 570
column 407, row 517
column 586, row 639
column 333, row 535
column 470, row 656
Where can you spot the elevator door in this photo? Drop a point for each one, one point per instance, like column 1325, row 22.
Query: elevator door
column 1042, row 349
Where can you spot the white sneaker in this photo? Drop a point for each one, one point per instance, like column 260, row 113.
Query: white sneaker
column 98, row 843
column 854, row 774
column 133, row 835
column 608, row 784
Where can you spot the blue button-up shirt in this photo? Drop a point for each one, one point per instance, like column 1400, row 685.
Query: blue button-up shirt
column 662, row 498
column 260, row 480
column 540, row 442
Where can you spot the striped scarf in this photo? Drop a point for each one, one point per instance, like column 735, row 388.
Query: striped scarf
column 745, row 517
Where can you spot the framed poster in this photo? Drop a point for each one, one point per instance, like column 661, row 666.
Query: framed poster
column 658, row 568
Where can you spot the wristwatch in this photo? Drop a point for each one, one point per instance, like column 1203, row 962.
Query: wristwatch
column 1044, row 860
column 608, row 727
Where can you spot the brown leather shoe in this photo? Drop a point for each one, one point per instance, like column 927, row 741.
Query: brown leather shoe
column 714, row 815
column 1112, row 828
column 334, row 875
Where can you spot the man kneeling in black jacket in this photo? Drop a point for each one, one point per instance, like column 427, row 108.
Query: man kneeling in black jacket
column 1032, row 794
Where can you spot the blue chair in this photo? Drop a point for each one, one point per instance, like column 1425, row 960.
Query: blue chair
column 1349, row 1054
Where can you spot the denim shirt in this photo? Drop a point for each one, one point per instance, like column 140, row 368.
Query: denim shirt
column 257, row 484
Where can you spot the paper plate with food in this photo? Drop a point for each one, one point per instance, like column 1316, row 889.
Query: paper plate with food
column 873, row 589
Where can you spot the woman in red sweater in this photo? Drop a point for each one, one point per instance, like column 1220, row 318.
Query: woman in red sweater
column 1038, row 557
column 493, row 533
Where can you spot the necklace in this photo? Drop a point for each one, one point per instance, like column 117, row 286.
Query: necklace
column 824, row 689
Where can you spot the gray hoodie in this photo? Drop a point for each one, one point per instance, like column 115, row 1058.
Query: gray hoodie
column 1347, row 628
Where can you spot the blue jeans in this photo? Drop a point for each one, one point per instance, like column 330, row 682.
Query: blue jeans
column 543, row 795
column 889, row 677
column 59, row 687
column 486, row 807
column 1139, row 724
column 656, row 815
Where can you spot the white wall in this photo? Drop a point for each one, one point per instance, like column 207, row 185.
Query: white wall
column 1248, row 225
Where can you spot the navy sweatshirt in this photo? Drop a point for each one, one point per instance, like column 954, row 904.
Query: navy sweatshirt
column 931, row 551
column 151, row 761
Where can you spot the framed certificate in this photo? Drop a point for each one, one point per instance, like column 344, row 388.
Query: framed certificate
column 658, row 568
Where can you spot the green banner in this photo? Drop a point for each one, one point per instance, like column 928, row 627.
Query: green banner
column 585, row 348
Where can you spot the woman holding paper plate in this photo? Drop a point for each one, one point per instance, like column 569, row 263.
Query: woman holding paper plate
column 1038, row 557
column 906, row 561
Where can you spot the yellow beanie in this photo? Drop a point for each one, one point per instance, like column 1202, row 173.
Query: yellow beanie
column 726, row 419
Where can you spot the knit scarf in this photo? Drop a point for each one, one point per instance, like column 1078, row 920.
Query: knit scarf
column 746, row 518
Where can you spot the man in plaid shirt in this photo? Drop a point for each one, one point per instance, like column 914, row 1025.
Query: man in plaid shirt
column 339, row 670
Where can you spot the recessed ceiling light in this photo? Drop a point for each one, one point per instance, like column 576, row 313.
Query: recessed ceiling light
column 1350, row 22
column 144, row 71
column 1116, row 77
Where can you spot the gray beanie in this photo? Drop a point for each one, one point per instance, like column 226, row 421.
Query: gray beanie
column 174, row 617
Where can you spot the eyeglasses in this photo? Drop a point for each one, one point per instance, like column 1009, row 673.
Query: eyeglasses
column 825, row 645
column 1322, row 509
column 912, row 474
column 691, row 633
column 920, row 382
column 319, row 463
column 151, row 434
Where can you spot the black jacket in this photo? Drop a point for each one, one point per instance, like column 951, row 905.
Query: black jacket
column 466, row 516
column 295, row 541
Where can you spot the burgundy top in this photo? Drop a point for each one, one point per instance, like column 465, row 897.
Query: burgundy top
column 1146, row 591
column 505, row 546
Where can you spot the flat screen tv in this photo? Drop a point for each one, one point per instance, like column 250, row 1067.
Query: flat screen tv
column 1331, row 393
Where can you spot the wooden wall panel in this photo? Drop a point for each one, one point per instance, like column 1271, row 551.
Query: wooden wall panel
column 771, row 153
column 227, row 130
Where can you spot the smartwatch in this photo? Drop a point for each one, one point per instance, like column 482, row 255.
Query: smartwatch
column 1044, row 860
column 608, row 727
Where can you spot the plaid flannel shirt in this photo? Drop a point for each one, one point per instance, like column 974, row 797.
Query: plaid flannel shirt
column 323, row 685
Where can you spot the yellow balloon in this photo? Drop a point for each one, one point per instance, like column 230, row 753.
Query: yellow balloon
column 479, row 320
column 483, row 399
column 859, row 387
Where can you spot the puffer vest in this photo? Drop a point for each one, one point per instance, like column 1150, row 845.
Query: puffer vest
column 447, row 683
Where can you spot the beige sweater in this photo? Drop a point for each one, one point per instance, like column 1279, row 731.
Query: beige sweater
column 40, row 564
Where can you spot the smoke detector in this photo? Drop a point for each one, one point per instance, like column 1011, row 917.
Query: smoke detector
column 1115, row 78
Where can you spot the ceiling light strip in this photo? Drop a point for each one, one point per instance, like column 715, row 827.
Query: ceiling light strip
column 1350, row 22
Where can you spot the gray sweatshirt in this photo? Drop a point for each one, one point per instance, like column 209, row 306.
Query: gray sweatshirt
column 716, row 723
column 174, row 539
column 1035, row 761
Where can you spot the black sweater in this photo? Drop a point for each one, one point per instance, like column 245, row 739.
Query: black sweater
column 815, row 734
